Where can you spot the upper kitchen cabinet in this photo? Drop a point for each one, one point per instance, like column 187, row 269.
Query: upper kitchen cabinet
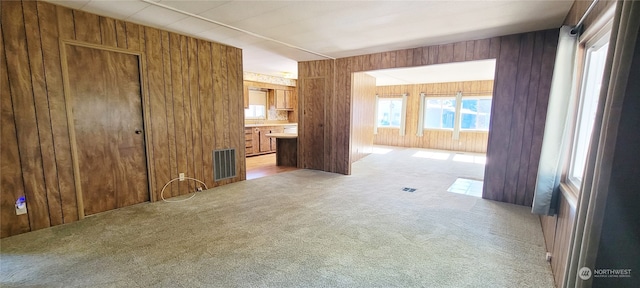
column 284, row 99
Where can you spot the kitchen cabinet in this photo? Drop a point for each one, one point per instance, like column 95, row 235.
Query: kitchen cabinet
column 284, row 99
column 256, row 141
column 265, row 142
column 248, row 139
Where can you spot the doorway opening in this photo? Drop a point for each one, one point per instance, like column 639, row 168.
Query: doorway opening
column 443, row 111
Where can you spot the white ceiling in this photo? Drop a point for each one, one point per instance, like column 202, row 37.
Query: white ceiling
column 441, row 73
column 331, row 28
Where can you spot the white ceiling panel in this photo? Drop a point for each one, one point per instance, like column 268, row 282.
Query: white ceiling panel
column 194, row 25
column 441, row 73
column 122, row 10
column 156, row 16
column 333, row 28
column 194, row 7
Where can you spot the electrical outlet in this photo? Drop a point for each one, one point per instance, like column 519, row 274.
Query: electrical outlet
column 21, row 206
column 181, row 176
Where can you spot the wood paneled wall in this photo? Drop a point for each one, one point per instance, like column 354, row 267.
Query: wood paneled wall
column 469, row 141
column 192, row 92
column 317, row 123
column 521, row 90
column 363, row 114
column 557, row 235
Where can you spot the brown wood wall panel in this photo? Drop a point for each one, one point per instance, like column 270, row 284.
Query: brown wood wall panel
column 432, row 139
column 206, row 104
column 10, row 172
column 542, row 100
column 557, row 233
column 87, row 27
column 59, row 125
column 506, row 50
column 180, row 127
column 364, row 103
column 34, row 46
column 520, row 80
column 15, row 42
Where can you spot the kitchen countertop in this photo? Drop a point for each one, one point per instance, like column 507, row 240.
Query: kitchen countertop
column 283, row 135
column 273, row 124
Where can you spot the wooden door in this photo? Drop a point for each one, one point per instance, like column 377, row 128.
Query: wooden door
column 314, row 91
column 106, row 102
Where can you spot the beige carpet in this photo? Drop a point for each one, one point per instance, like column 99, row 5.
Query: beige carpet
column 298, row 229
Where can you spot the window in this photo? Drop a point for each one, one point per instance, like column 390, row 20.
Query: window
column 440, row 113
column 475, row 114
column 595, row 58
column 389, row 112
column 257, row 105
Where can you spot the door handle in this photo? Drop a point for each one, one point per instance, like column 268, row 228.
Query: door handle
column 138, row 131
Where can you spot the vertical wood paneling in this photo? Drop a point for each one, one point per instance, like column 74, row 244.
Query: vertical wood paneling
column 459, row 51
column 169, row 109
column 445, row 53
column 66, row 24
column 557, row 234
column 155, row 76
column 87, row 27
column 43, row 117
column 542, row 101
column 187, row 150
column 519, row 109
column 133, row 36
column 23, row 105
column 121, row 34
column 179, row 112
column 108, row 31
column 364, row 102
column 523, row 189
column 481, row 49
column 217, row 100
column 234, row 87
column 501, row 116
column 206, row 107
column 10, row 172
column 469, row 51
column 59, row 125
column 196, row 112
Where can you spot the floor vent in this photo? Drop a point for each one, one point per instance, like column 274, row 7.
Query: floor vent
column 224, row 164
column 407, row 189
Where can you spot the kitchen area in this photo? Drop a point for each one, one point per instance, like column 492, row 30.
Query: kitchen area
column 271, row 127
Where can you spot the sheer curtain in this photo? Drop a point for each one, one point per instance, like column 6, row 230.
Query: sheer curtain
column 555, row 131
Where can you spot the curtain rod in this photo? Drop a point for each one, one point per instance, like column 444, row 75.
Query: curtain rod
column 578, row 28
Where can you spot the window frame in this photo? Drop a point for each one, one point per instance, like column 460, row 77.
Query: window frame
column 590, row 39
column 403, row 113
column 424, row 112
column 266, row 106
column 483, row 97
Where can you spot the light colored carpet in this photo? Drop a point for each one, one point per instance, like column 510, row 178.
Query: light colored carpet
column 298, row 229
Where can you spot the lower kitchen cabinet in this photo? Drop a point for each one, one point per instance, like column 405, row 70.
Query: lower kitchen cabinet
column 257, row 141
